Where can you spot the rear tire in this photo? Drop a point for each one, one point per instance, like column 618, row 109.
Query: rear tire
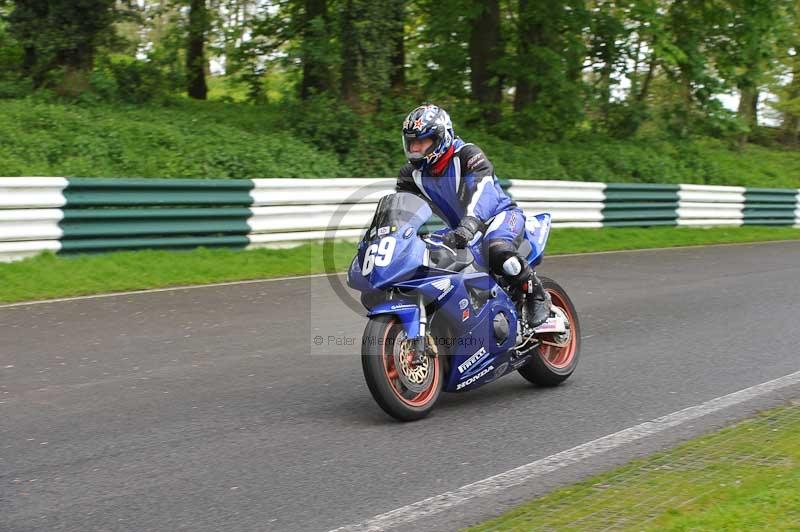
column 551, row 365
column 383, row 345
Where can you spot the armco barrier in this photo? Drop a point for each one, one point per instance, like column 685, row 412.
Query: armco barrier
column 89, row 215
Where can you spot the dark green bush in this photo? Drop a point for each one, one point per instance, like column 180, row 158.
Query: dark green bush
column 183, row 138
column 126, row 79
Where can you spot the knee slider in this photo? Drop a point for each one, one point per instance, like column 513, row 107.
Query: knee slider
column 504, row 261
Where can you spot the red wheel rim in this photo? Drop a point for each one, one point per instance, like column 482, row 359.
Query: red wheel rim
column 560, row 357
column 391, row 372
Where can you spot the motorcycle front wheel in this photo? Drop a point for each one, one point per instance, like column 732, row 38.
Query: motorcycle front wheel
column 557, row 354
column 404, row 390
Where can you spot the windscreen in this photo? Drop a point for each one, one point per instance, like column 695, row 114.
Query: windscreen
column 396, row 211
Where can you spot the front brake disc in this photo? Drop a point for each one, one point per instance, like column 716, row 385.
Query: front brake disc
column 416, row 378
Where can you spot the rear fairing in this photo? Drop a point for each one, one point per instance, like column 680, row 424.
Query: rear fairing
column 537, row 231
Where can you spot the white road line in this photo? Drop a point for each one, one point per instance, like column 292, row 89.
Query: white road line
column 549, row 258
column 503, row 481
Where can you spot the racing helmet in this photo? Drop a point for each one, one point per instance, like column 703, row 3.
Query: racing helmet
column 428, row 121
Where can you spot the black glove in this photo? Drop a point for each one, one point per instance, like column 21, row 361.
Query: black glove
column 459, row 237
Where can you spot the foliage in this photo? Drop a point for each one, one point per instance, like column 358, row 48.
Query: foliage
column 324, row 138
column 59, row 39
column 645, row 77
column 125, row 79
column 439, row 50
column 181, row 140
column 11, row 56
column 550, row 90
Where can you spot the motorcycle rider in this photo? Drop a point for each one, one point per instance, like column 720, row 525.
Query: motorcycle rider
column 458, row 181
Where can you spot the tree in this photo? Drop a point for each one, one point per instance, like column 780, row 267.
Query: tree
column 437, row 50
column 785, row 77
column 350, row 53
column 263, row 42
column 748, row 51
column 608, row 49
column 789, row 99
column 485, row 48
column 61, row 35
column 195, row 53
column 314, row 49
column 690, row 30
column 397, row 77
column 368, row 37
column 648, row 35
column 548, row 67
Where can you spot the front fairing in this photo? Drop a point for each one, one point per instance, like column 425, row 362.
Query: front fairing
column 391, row 250
column 410, row 253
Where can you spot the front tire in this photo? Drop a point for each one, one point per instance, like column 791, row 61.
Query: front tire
column 403, row 391
column 557, row 356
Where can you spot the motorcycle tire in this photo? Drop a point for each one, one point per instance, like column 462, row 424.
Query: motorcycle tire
column 553, row 364
column 384, row 355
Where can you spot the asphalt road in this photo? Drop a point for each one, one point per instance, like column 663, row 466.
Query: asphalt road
column 212, row 409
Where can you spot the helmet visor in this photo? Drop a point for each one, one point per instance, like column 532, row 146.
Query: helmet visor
column 411, row 140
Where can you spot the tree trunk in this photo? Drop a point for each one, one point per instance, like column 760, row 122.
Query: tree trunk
column 683, row 116
column 748, row 110
column 397, row 78
column 523, row 94
column 60, row 34
column 29, row 66
column 635, row 70
column 315, row 36
column 195, row 53
column 642, row 94
column 790, row 126
column 534, row 35
column 350, row 55
column 485, row 46
column 605, row 89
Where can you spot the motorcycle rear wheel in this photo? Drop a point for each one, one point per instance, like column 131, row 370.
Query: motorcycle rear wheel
column 384, row 344
column 553, row 364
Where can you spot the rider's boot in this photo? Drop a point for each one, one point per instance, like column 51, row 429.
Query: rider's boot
column 537, row 300
column 526, row 288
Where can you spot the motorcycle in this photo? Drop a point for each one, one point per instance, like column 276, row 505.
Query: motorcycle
column 439, row 321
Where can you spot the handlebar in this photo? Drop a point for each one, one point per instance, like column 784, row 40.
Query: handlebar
column 427, row 239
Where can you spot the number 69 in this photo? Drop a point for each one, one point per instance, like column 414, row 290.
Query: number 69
column 378, row 254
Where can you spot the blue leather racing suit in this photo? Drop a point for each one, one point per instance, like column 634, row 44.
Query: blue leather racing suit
column 467, row 186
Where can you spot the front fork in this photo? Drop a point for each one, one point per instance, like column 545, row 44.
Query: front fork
column 420, row 347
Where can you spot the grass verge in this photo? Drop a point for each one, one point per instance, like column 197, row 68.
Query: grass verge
column 745, row 477
column 50, row 276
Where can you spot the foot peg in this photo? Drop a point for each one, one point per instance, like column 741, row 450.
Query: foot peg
column 556, row 324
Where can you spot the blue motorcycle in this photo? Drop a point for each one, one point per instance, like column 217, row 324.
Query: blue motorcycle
column 439, row 321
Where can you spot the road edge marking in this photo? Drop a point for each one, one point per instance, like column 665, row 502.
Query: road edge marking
column 165, row 289
column 525, row 473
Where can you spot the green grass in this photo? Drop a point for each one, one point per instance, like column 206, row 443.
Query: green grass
column 50, row 276
column 610, row 239
column 219, row 139
column 745, row 477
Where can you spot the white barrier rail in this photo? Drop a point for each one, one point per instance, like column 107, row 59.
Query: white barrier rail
column 283, row 212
